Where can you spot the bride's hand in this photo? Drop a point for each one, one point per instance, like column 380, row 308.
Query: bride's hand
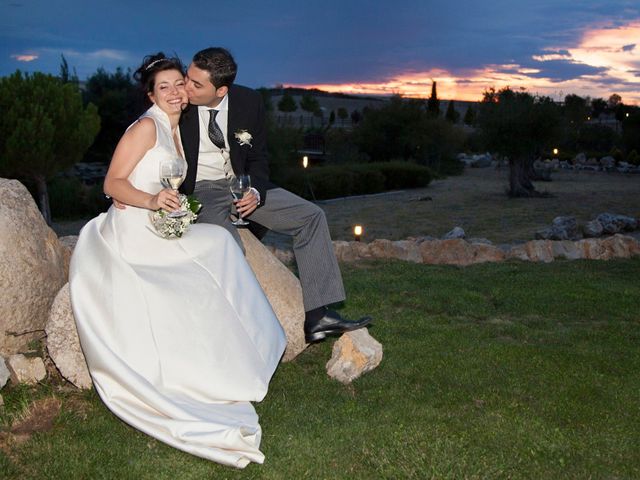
column 166, row 199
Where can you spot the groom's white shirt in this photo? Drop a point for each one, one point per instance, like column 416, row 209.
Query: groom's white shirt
column 210, row 159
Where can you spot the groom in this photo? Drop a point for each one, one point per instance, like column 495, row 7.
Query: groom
column 223, row 133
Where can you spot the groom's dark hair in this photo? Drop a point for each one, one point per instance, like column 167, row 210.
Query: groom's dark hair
column 219, row 63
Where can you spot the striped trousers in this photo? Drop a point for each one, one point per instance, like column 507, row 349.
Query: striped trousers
column 284, row 212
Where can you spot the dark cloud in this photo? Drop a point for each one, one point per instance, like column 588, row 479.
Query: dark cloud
column 628, row 48
column 561, row 70
column 318, row 41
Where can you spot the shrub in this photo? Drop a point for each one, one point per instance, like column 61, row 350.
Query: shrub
column 398, row 174
column 70, row 198
column 333, row 181
column 633, row 158
column 596, row 138
column 617, row 154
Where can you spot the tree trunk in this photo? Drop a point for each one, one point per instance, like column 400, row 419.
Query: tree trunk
column 519, row 180
column 43, row 198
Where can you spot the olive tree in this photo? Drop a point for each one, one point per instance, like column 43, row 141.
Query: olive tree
column 520, row 126
column 44, row 129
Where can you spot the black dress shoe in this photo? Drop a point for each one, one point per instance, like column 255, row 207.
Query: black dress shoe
column 331, row 324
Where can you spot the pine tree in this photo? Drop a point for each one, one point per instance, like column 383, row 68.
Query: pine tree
column 287, row 104
column 469, row 116
column 44, row 129
column 452, row 115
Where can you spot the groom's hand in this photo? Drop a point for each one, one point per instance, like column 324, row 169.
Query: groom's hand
column 248, row 204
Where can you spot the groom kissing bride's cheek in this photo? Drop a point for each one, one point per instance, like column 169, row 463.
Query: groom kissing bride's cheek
column 218, row 112
column 178, row 335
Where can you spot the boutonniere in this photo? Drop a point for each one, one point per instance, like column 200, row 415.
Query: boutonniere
column 243, row 137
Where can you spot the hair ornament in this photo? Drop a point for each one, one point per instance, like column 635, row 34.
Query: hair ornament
column 156, row 61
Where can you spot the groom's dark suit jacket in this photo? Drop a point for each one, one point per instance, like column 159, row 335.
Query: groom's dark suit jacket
column 246, row 112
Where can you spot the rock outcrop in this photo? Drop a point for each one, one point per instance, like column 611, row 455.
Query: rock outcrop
column 32, row 268
column 63, row 344
column 283, row 290
column 461, row 252
column 28, row 370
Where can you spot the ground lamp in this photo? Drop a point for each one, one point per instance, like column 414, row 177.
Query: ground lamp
column 357, row 232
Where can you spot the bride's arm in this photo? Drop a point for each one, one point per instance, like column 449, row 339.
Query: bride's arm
column 130, row 150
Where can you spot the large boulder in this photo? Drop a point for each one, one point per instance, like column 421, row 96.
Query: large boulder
column 63, row 344
column 562, row 228
column 592, row 229
column 608, row 162
column 457, row 232
column 283, row 290
column 32, row 268
column 612, row 223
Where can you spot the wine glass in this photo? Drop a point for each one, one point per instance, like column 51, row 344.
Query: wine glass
column 172, row 174
column 240, row 185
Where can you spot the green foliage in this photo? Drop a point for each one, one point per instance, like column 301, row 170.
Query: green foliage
column 287, row 103
column 598, row 106
column 65, row 75
column 404, row 129
column 576, row 109
column 119, row 103
column 518, row 124
column 44, row 129
column 343, row 114
column 451, row 115
column 341, row 148
column 617, row 154
column 399, row 174
column 469, row 116
column 333, row 181
column 433, row 104
column 631, row 130
column 596, row 138
column 633, row 157
column 70, row 198
column 266, row 98
column 309, row 103
column 282, row 145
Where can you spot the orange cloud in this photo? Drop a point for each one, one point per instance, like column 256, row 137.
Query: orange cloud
column 25, row 57
column 612, row 49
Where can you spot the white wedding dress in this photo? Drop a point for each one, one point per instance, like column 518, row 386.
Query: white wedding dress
column 178, row 335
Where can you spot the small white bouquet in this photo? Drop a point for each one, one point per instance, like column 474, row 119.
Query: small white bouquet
column 174, row 226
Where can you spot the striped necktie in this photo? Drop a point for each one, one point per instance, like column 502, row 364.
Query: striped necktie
column 215, row 134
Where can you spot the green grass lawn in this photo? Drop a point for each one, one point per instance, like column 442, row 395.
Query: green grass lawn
column 512, row 370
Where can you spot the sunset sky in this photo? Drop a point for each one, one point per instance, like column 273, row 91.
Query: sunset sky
column 550, row 47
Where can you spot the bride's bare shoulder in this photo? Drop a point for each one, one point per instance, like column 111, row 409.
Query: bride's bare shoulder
column 143, row 130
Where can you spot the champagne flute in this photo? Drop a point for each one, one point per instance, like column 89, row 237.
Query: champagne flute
column 239, row 186
column 172, row 174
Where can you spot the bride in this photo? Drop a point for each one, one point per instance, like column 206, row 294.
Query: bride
column 178, row 336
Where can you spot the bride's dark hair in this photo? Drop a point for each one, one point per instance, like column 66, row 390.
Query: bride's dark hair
column 145, row 75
